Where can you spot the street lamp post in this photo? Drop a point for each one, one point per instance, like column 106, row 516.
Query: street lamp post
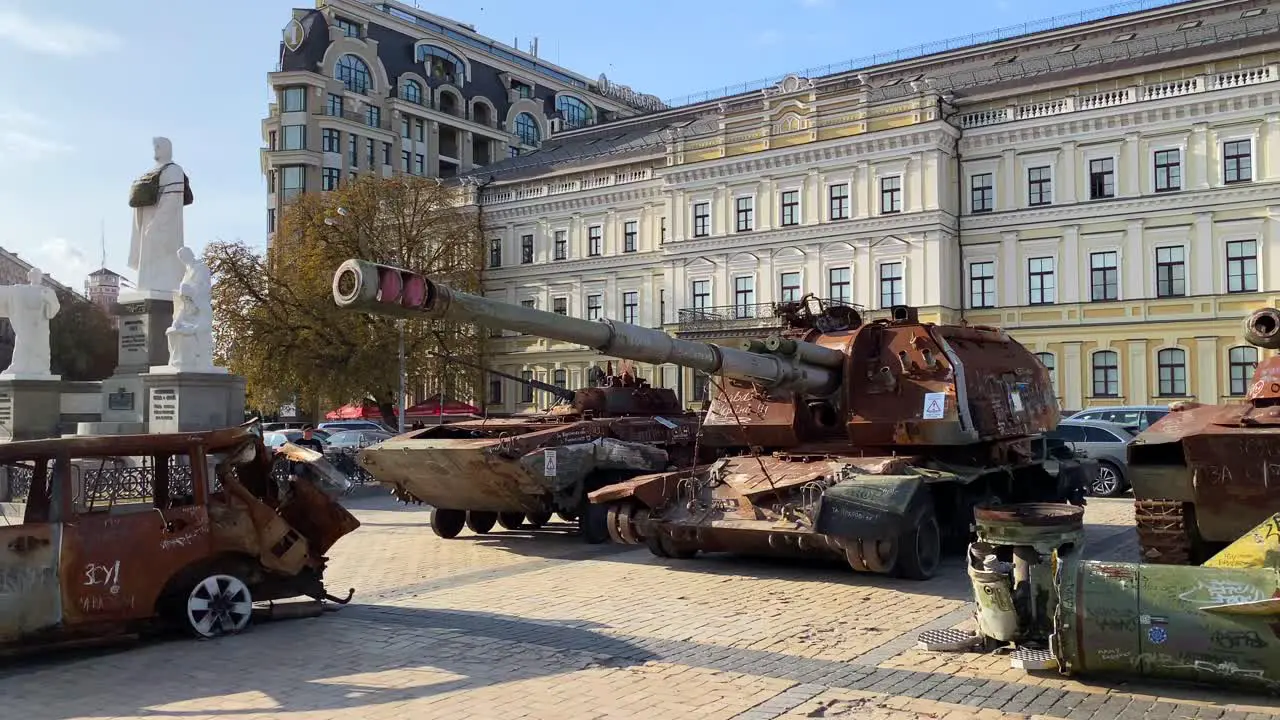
column 400, row 325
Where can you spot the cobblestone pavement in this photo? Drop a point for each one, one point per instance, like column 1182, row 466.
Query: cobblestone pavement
column 514, row 626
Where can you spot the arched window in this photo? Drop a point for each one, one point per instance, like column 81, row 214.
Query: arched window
column 1242, row 361
column 1172, row 366
column 411, row 91
column 1048, row 361
column 354, row 73
column 527, row 129
column 573, row 111
column 480, row 113
column 1106, row 374
column 441, row 64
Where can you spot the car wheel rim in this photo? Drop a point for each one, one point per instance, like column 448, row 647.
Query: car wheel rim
column 1106, row 481
column 220, row 604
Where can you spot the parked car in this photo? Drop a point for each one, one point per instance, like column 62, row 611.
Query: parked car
column 1135, row 417
column 334, row 426
column 1105, row 442
column 275, row 439
column 276, row 426
column 352, row 440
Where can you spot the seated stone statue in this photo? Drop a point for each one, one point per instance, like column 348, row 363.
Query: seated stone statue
column 191, row 334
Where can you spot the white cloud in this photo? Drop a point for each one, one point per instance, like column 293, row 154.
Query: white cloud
column 23, row 136
column 51, row 36
column 61, row 260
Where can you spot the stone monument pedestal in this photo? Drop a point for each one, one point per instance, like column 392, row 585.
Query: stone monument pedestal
column 144, row 317
column 31, row 409
column 193, row 401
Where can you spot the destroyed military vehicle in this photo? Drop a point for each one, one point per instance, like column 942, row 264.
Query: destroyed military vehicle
column 190, row 529
column 1203, row 475
column 518, row 471
column 867, row 441
column 1032, row 589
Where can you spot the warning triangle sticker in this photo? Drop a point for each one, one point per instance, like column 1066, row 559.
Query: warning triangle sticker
column 934, row 408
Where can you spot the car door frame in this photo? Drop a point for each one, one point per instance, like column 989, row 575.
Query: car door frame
column 30, row 559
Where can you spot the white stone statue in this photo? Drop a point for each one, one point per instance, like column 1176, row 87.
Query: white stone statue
column 191, row 334
column 29, row 308
column 158, row 199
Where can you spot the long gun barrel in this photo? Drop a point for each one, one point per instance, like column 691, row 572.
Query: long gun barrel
column 384, row 290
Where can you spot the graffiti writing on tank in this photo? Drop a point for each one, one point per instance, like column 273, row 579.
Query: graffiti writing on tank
column 1226, row 668
column 1114, row 655
column 1237, row 639
column 1222, row 592
column 103, row 575
column 1114, row 620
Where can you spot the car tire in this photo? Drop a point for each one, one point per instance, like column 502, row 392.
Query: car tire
column 1109, row 482
column 217, row 605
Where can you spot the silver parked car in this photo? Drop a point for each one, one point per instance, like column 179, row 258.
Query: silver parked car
column 1104, row 442
column 1135, row 417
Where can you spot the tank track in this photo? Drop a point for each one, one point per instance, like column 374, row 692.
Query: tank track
column 1165, row 532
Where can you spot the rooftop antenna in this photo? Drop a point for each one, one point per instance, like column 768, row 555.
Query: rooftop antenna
column 104, row 242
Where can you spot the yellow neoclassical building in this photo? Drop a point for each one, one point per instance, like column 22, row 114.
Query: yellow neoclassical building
column 1105, row 191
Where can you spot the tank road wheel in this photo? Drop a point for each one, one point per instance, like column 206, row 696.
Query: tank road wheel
column 538, row 519
column 611, row 523
column 218, row 605
column 593, row 522
column 481, row 521
column 1107, row 482
column 511, row 520
column 667, row 547
column 920, row 546
column 567, row 515
column 447, row 523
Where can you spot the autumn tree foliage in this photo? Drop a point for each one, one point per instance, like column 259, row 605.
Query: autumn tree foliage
column 277, row 324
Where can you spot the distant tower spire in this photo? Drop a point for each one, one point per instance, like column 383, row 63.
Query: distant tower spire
column 104, row 243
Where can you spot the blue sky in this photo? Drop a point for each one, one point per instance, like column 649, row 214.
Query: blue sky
column 98, row 80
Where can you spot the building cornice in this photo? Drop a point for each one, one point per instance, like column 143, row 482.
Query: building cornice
column 1176, row 203
column 1174, row 113
column 871, row 147
column 600, row 200
column 540, row 272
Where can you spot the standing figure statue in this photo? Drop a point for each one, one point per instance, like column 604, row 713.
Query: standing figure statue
column 191, row 334
column 29, row 308
column 158, row 199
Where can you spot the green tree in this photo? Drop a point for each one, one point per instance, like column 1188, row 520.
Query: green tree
column 82, row 341
column 275, row 319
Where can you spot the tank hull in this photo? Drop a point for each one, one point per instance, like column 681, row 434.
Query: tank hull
column 1203, row 476
column 889, row 515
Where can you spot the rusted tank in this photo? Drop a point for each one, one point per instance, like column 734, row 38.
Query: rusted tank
column 1203, row 475
column 1218, row 623
column 872, row 442
column 516, row 472
column 190, row 528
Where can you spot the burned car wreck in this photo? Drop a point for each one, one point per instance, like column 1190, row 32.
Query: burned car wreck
column 190, row 529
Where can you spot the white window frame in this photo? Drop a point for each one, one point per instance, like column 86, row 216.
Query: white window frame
column 981, row 167
column 711, row 217
column 1221, row 283
column 1222, row 137
column 799, row 191
column 1187, row 377
column 878, row 295
column 1087, row 274
column 635, row 219
column 1120, row 378
column 755, row 213
column 1158, row 146
column 1105, row 152
column 1155, row 244
column 969, row 262
column 1026, row 162
column 902, row 193
column 850, row 210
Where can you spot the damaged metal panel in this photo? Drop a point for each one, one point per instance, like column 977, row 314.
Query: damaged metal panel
column 30, row 596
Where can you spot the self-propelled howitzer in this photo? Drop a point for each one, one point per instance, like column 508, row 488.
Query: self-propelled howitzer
column 870, row 440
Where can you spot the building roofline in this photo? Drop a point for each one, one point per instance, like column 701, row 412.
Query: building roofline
column 13, row 257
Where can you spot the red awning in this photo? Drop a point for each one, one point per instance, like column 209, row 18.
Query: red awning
column 431, row 408
column 366, row 411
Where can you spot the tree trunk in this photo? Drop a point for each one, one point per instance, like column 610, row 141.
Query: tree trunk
column 388, row 408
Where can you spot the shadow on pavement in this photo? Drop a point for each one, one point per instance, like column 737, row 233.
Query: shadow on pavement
column 311, row 668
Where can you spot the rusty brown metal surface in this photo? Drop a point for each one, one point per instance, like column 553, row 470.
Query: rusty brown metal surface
column 104, row 541
column 1205, row 474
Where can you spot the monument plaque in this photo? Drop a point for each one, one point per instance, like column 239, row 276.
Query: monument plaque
column 121, row 400
column 164, row 404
